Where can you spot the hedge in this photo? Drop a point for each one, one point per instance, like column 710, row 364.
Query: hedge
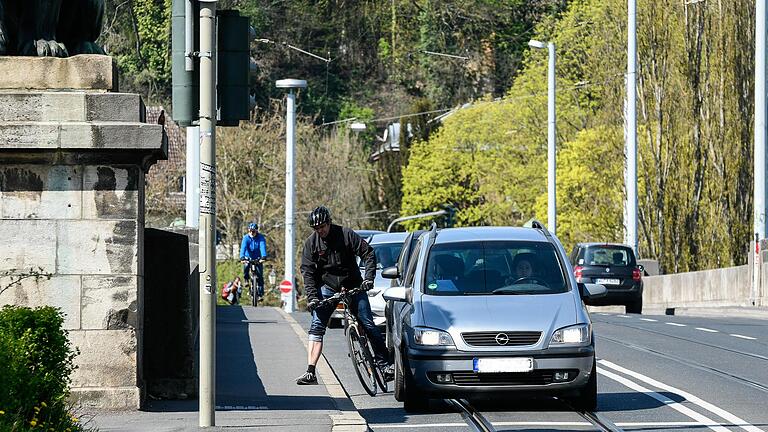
column 37, row 360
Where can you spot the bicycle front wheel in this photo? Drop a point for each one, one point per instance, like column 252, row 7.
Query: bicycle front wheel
column 362, row 361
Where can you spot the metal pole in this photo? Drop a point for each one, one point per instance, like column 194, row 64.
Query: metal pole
column 631, row 125
column 207, row 213
column 189, row 36
column 551, row 137
column 289, row 196
column 760, row 137
column 192, row 187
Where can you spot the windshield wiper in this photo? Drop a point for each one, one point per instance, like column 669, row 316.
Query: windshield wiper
column 508, row 291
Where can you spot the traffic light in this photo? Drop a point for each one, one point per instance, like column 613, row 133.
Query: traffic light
column 185, row 84
column 234, row 67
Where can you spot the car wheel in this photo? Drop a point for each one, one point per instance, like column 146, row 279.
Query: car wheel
column 399, row 380
column 636, row 306
column 413, row 400
column 586, row 398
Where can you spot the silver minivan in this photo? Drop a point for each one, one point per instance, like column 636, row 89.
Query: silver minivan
column 491, row 310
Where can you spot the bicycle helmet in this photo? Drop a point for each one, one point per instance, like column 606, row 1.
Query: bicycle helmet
column 253, row 226
column 319, row 216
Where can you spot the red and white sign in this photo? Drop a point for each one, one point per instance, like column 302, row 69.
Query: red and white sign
column 285, row 287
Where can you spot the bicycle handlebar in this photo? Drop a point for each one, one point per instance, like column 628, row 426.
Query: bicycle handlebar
column 334, row 298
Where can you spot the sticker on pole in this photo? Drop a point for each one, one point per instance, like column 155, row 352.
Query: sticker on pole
column 285, row 287
column 207, row 189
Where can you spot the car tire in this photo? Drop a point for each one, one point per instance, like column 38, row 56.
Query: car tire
column 586, row 398
column 412, row 399
column 635, row 306
column 399, row 389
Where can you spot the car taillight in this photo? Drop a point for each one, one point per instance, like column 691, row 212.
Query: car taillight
column 577, row 271
column 636, row 274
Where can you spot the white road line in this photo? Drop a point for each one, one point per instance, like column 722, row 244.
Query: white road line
column 707, row 330
column 743, row 337
column 550, row 424
column 691, row 398
column 703, row 420
column 649, row 319
column 676, row 324
column 624, row 316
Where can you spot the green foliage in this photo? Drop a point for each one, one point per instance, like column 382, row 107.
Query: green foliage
column 694, row 135
column 37, row 361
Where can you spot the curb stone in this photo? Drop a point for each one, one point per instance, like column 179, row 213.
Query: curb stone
column 349, row 420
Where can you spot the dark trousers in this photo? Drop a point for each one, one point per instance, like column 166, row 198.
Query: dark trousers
column 258, row 276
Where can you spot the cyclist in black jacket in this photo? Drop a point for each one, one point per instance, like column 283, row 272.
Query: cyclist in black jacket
column 328, row 265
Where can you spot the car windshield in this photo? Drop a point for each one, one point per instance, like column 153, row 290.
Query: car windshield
column 613, row 256
column 494, row 267
column 386, row 254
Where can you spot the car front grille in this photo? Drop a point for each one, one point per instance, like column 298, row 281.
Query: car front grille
column 496, row 339
column 533, row 378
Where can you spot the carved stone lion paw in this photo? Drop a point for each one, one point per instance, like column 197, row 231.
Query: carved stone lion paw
column 44, row 48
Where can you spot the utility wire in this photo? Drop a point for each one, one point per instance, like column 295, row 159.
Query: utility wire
column 327, row 60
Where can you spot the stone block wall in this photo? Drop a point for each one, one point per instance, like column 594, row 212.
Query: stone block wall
column 72, row 167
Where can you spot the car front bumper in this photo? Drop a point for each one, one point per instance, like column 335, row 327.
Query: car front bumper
column 425, row 365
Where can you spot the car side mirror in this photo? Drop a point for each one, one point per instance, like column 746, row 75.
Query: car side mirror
column 390, row 273
column 592, row 291
column 396, row 294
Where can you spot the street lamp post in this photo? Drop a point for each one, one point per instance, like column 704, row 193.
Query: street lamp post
column 290, row 189
column 551, row 137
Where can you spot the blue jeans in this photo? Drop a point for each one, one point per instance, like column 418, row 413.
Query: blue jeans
column 361, row 308
column 258, row 276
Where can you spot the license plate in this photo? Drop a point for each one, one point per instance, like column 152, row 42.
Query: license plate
column 608, row 281
column 496, row 365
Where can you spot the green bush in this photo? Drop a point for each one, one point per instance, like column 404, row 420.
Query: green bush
column 37, row 360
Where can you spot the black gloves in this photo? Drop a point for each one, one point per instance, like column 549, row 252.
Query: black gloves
column 366, row 285
column 312, row 304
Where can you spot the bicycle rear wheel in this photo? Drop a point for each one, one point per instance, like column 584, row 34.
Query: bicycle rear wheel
column 362, row 361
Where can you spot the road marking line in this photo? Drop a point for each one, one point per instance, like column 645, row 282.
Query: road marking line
column 531, row 423
column 743, row 337
column 707, row 330
column 691, row 398
column 649, row 320
column 625, row 316
column 676, row 324
column 703, row 420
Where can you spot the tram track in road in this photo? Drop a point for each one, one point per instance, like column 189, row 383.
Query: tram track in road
column 475, row 420
column 478, row 423
column 731, row 350
column 690, row 363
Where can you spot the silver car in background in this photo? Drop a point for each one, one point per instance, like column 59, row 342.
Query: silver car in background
column 491, row 311
column 387, row 248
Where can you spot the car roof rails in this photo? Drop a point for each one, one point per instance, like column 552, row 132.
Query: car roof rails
column 535, row 224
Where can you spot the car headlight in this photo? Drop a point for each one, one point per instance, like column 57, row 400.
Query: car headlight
column 432, row 337
column 579, row 334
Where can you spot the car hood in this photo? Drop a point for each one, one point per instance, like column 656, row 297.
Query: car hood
column 459, row 314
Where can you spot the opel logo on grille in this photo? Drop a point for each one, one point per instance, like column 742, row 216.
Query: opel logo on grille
column 608, row 270
column 502, row 339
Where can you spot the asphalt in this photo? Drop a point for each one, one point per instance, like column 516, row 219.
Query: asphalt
column 260, row 352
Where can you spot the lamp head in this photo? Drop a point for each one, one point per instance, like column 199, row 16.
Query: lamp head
column 536, row 44
column 291, row 83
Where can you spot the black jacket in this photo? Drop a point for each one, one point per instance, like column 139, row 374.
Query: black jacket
column 331, row 260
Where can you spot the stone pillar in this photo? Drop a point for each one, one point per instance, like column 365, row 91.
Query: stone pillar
column 73, row 156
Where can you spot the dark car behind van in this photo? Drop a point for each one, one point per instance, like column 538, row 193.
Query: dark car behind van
column 614, row 266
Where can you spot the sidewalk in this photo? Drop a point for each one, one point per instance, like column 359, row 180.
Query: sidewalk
column 260, row 352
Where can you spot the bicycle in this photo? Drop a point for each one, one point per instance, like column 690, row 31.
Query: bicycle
column 360, row 350
column 252, row 278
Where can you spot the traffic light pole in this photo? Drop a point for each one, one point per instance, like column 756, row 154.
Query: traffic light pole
column 207, row 251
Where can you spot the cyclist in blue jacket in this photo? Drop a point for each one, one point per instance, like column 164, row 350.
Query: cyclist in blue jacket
column 254, row 247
